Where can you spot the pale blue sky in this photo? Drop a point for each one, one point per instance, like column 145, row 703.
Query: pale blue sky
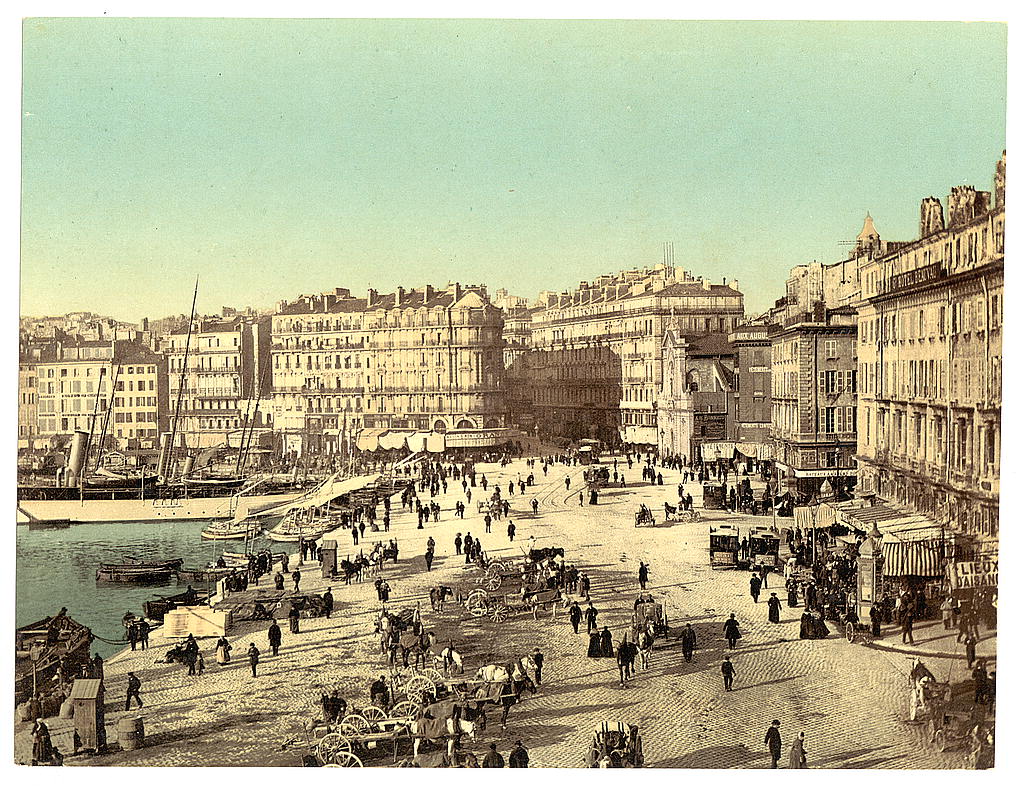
column 284, row 157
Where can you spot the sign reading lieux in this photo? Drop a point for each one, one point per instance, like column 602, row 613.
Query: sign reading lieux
column 977, row 574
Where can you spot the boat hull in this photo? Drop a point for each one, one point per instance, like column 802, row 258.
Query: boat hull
column 138, row 510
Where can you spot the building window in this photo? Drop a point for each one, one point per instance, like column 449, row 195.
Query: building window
column 831, row 348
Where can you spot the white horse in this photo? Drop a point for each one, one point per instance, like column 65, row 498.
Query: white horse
column 645, row 644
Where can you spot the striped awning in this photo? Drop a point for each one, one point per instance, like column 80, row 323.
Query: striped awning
column 922, row 558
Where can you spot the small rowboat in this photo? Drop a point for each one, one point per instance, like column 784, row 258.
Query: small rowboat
column 139, row 572
column 54, row 639
column 294, row 528
column 247, row 529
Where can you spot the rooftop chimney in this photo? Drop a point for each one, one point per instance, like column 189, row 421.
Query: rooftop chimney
column 371, row 297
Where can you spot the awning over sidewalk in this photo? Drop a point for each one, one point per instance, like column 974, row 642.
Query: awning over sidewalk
column 369, row 439
column 755, row 450
column 921, row 558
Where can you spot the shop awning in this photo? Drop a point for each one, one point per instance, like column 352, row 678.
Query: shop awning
column 919, row 558
column 369, row 439
column 393, row 440
column 755, row 450
column 709, row 451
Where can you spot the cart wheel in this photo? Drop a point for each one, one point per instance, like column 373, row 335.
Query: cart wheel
column 405, row 709
column 347, row 759
column 500, row 613
column 850, row 632
column 373, row 714
column 418, row 686
column 355, row 724
column 593, row 757
column 476, row 603
column 492, row 584
column 939, row 738
column 330, row 746
column 433, row 674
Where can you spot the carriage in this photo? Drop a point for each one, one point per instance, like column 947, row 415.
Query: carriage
column 616, row 744
column 724, row 545
column 649, row 614
column 764, row 550
column 679, row 513
column 498, row 608
column 597, row 476
column 644, row 517
column 714, row 495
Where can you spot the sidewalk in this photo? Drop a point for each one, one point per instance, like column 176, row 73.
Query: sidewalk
column 931, row 639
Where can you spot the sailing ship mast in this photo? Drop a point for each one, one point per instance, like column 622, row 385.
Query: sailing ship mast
column 181, row 384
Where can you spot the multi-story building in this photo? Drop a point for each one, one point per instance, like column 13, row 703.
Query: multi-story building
column 814, row 399
column 424, row 359
column 930, row 357
column 696, row 403
column 595, row 364
column 752, row 380
column 110, row 388
column 227, row 366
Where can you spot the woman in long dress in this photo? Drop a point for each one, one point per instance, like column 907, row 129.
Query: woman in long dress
column 223, row 653
column 594, row 650
column 797, row 754
column 42, row 747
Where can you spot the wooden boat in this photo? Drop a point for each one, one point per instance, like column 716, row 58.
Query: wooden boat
column 55, row 639
column 295, row 527
column 246, row 529
column 206, row 575
column 157, row 608
column 134, row 571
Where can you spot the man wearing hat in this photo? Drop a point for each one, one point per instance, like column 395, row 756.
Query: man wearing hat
column 519, row 757
column 774, row 742
column 538, row 663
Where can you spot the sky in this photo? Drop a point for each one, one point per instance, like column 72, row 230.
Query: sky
column 274, row 158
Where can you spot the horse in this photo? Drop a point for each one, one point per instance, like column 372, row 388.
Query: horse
column 670, row 511
column 438, row 595
column 416, row 645
column 356, row 569
column 645, row 645
column 447, row 720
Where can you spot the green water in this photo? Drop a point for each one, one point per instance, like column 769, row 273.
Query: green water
column 57, row 568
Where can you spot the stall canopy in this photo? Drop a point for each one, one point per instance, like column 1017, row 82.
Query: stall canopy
column 755, row 450
column 369, row 439
column 710, row 451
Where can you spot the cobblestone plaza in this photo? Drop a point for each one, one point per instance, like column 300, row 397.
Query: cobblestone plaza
column 849, row 699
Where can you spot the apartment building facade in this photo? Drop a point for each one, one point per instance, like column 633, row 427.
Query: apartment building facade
column 930, row 328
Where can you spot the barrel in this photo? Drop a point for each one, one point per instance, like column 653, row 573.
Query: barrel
column 130, row 733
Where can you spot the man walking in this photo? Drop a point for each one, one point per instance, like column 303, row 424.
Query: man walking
column 732, row 631
column 728, row 673
column 591, row 615
column 755, row 587
column 296, row 577
column 643, row 575
column 575, row 616
column 519, row 757
column 274, row 637
column 689, row 642
column 538, row 663
column 328, row 603
column 567, row 482
column 458, row 543
column 254, row 658
column 535, row 504
column 773, row 739
column 134, row 688
column 492, row 758
column 511, row 531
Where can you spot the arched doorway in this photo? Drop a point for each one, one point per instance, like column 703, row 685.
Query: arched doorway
column 465, row 423
column 440, row 426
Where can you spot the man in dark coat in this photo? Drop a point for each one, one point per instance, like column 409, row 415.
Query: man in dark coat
column 293, row 618
column 728, row 673
column 296, row 576
column 254, row 658
column 328, row 603
column 876, row 620
column 591, row 614
column 492, row 758
column 134, row 688
column 143, row 634
column 274, row 637
column 519, row 757
column 607, row 648
column 774, row 742
column 732, row 630
column 643, row 575
column 774, row 608
column 575, row 616
column 278, row 581
column 689, row 642
column 755, row 587
column 538, row 663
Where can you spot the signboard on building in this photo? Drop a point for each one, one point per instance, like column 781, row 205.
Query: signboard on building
column 976, row 574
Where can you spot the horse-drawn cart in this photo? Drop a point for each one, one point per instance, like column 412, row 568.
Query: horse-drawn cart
column 649, row 615
column 724, row 545
column 616, row 744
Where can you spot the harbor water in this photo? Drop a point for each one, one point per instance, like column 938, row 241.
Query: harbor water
column 57, row 568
